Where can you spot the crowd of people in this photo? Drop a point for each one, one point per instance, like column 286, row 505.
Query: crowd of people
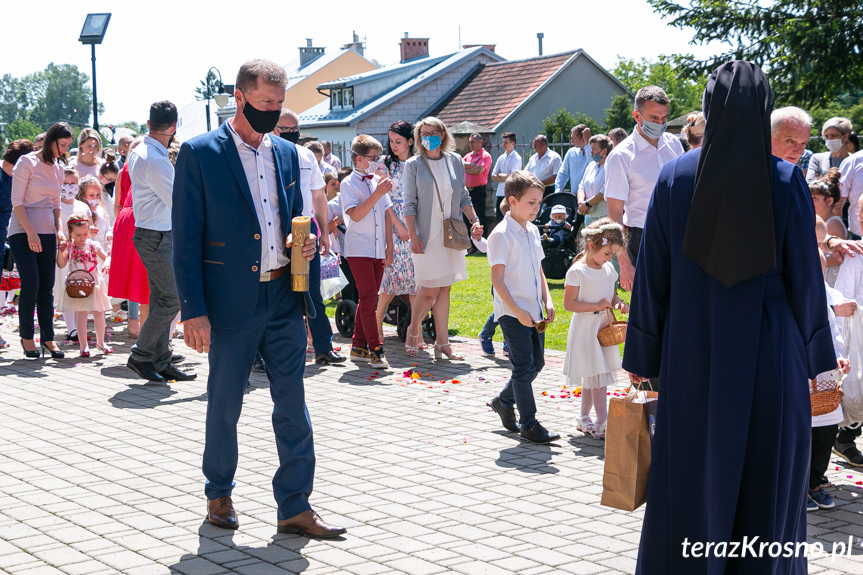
column 145, row 224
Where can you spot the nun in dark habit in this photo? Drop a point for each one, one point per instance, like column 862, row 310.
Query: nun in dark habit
column 729, row 311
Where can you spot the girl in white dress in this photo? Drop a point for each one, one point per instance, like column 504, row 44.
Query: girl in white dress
column 82, row 253
column 589, row 292
column 69, row 204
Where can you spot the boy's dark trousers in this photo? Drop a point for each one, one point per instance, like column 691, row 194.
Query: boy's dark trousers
column 822, row 445
column 527, row 354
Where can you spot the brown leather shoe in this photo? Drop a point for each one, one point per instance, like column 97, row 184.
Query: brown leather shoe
column 220, row 512
column 310, row 524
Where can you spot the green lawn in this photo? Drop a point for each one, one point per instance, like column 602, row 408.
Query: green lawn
column 471, row 305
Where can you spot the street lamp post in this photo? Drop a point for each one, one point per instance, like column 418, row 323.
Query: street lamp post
column 93, row 33
column 209, row 94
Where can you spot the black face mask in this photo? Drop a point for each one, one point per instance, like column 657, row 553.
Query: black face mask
column 260, row 121
column 292, row 137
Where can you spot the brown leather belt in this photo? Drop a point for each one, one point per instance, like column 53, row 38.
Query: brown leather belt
column 275, row 274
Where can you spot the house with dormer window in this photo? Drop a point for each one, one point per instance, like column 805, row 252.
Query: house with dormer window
column 370, row 102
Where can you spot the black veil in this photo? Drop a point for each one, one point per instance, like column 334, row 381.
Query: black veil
column 730, row 230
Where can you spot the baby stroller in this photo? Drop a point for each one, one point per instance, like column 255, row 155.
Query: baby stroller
column 398, row 312
column 558, row 258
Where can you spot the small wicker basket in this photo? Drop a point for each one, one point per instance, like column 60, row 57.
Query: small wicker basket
column 825, row 392
column 612, row 334
column 79, row 284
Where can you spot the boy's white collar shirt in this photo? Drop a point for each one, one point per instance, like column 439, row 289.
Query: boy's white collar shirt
column 365, row 238
column 519, row 250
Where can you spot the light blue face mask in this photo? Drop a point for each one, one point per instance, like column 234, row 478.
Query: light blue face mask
column 431, row 143
column 653, row 130
column 596, row 157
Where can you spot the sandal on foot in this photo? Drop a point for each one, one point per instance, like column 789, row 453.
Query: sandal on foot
column 446, row 350
column 411, row 346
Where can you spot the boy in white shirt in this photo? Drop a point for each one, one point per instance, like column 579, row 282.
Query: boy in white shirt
column 368, row 246
column 521, row 299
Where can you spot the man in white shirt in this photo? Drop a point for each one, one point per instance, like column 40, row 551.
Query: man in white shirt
column 544, row 164
column 152, row 176
column 632, row 169
column 314, row 203
column 329, row 158
column 506, row 164
column 575, row 161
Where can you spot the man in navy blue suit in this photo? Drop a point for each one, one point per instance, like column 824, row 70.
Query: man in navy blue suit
column 235, row 192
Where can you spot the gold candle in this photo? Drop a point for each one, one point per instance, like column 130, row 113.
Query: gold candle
column 301, row 228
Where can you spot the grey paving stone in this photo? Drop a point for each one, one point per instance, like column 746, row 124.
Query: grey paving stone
column 101, row 474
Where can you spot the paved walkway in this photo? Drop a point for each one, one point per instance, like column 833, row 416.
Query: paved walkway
column 100, row 474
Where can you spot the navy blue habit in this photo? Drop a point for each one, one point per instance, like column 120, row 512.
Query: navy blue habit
column 730, row 458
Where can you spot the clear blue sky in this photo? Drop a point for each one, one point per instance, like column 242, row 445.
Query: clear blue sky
column 159, row 50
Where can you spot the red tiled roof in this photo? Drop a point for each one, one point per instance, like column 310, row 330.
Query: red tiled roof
column 492, row 92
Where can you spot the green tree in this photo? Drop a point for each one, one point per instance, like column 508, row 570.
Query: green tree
column 619, row 115
column 12, row 102
column 810, row 49
column 823, row 112
column 20, row 128
column 59, row 94
column 557, row 125
column 684, row 92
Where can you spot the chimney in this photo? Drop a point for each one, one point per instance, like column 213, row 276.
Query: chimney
column 309, row 52
column 489, row 47
column 412, row 48
column 539, row 37
column 356, row 45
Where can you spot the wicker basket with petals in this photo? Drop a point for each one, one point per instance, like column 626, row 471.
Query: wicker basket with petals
column 612, row 334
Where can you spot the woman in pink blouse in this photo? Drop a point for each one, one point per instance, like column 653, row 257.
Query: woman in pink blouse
column 35, row 232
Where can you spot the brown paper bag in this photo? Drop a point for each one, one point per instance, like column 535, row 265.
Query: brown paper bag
column 627, row 450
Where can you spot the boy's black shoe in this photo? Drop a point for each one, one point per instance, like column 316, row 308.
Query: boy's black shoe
column 536, row 433
column 507, row 416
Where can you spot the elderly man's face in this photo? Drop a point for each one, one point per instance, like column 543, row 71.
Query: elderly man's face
column 475, row 145
column 540, row 146
column 789, row 141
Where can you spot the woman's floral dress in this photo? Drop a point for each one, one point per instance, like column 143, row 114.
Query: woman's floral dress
column 399, row 277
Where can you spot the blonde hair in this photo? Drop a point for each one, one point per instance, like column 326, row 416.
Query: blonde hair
column 694, row 128
column 86, row 182
column 447, row 143
column 88, row 133
column 603, row 231
column 315, row 147
column 362, row 145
